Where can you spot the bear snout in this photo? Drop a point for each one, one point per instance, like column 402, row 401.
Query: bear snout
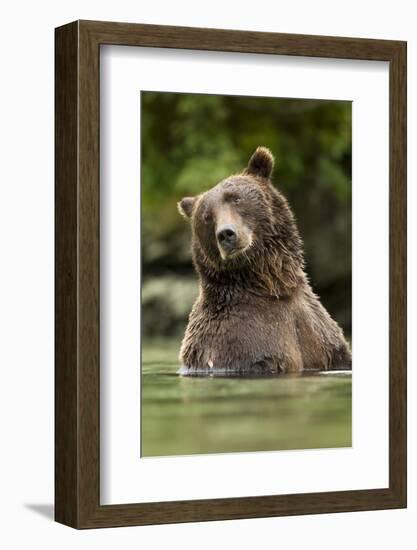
column 230, row 241
column 227, row 237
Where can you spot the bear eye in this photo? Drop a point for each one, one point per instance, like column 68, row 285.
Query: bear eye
column 232, row 198
column 207, row 217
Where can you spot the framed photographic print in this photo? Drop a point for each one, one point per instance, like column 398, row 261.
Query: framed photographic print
column 230, row 274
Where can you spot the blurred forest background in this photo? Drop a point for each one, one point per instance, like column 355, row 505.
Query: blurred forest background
column 190, row 142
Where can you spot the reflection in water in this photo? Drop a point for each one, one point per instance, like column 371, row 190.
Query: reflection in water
column 198, row 415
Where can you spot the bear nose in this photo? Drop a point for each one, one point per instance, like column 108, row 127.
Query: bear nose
column 226, row 235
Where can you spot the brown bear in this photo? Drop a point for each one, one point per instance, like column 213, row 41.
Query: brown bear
column 256, row 313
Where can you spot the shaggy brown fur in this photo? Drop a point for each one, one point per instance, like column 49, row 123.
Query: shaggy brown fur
column 256, row 312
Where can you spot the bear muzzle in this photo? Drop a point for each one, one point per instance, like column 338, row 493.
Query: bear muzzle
column 230, row 242
column 227, row 237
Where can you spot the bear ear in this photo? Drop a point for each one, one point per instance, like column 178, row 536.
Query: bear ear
column 185, row 206
column 261, row 163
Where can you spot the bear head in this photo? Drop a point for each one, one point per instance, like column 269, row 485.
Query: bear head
column 244, row 231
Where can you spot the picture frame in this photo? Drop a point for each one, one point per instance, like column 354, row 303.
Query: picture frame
column 77, row 260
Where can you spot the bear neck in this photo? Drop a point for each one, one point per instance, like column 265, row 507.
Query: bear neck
column 278, row 277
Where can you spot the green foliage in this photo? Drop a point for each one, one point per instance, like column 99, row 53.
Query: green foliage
column 166, row 302
column 191, row 141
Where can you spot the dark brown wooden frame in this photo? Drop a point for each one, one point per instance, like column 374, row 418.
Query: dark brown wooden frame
column 77, row 274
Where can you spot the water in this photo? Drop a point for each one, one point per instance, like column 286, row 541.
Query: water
column 200, row 415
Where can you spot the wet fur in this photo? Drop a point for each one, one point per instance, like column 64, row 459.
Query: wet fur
column 256, row 313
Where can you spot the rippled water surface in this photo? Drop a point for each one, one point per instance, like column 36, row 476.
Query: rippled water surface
column 189, row 415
